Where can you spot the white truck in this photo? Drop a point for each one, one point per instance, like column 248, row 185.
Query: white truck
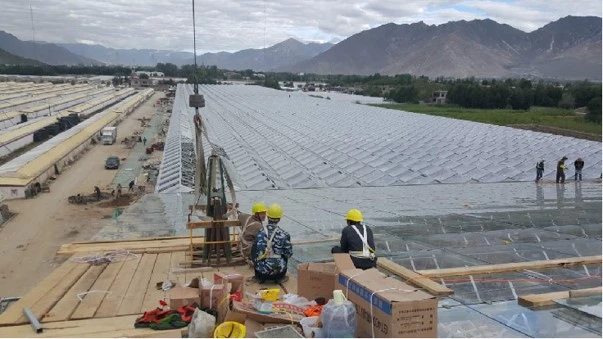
column 109, row 135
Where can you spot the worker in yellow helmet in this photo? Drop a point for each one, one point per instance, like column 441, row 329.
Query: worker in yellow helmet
column 357, row 239
column 251, row 224
column 272, row 249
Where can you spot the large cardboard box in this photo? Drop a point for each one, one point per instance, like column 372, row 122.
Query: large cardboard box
column 386, row 307
column 182, row 296
column 316, row 280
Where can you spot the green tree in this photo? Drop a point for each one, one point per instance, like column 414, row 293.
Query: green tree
column 594, row 110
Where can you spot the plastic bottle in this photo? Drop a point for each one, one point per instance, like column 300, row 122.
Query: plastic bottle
column 338, row 317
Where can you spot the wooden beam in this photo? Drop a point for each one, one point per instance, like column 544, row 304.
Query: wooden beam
column 509, row 267
column 212, row 223
column 413, row 277
column 547, row 299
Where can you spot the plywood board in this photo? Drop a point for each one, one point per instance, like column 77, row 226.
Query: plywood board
column 90, row 303
column 65, row 307
column 413, row 277
column 509, row 267
column 132, row 302
column 111, row 303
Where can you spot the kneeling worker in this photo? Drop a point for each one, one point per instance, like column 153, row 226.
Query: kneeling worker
column 357, row 240
column 272, row 249
column 251, row 224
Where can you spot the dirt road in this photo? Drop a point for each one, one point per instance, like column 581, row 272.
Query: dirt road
column 28, row 242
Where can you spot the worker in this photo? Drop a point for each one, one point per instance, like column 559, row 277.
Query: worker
column 118, row 191
column 272, row 249
column 131, row 186
column 539, row 170
column 561, row 170
column 97, row 192
column 357, row 239
column 578, row 165
column 144, row 141
column 251, row 224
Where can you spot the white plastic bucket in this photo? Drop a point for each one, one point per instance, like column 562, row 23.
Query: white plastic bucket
column 308, row 327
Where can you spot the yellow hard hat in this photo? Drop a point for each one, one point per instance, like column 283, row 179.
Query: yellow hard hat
column 275, row 211
column 258, row 207
column 354, row 215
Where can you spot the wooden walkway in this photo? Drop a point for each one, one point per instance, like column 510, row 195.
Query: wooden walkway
column 117, row 294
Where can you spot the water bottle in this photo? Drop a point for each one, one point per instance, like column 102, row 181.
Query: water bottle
column 338, row 317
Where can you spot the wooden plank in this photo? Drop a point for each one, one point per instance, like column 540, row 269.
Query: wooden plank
column 65, row 307
column 486, row 269
column 547, row 299
column 52, row 297
column 213, row 223
column 118, row 326
column 586, row 292
column 138, row 246
column 160, row 274
column 15, row 311
column 413, row 277
column 153, row 245
column 111, row 303
column 90, row 303
column 132, row 302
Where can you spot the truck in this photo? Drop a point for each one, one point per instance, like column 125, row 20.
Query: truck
column 109, row 135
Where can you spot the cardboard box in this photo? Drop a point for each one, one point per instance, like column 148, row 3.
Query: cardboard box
column 182, row 296
column 316, row 280
column 398, row 310
column 212, row 296
column 237, row 280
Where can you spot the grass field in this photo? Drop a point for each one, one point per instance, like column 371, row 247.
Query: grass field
column 542, row 116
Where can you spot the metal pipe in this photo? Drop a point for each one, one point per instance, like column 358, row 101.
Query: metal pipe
column 33, row 320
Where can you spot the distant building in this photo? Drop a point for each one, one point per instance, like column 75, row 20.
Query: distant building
column 439, row 97
column 150, row 74
column 233, row 76
column 259, row 75
column 137, row 82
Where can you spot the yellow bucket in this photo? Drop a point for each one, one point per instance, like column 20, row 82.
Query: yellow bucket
column 230, row 329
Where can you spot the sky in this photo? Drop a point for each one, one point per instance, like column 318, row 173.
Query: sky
column 229, row 25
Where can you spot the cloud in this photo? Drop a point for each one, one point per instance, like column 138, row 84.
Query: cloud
column 238, row 24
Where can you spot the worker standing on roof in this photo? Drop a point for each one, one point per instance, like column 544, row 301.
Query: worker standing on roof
column 561, row 170
column 251, row 224
column 272, row 249
column 578, row 165
column 357, row 239
column 539, row 170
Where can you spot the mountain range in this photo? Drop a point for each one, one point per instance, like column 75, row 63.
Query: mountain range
column 569, row 48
